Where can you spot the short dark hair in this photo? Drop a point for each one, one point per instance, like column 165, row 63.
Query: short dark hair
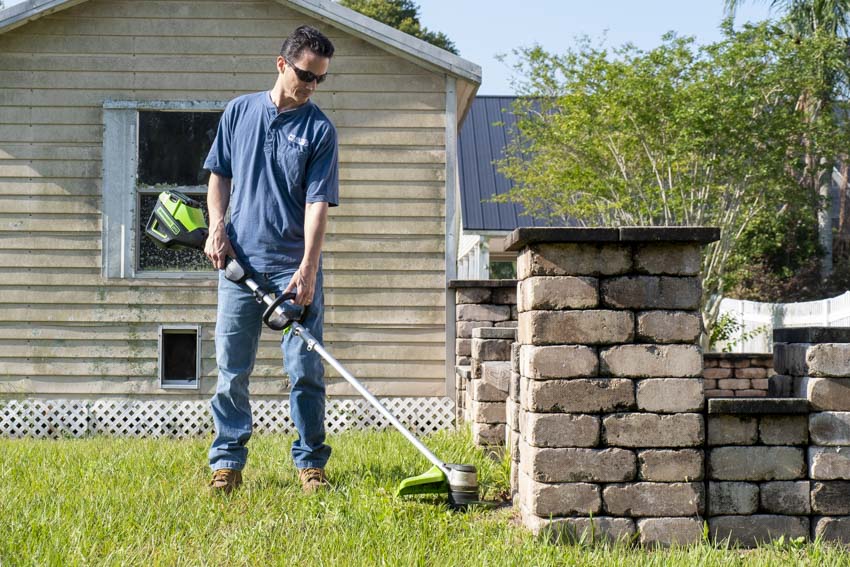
column 306, row 37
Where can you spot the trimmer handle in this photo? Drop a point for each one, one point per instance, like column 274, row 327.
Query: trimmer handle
column 234, row 271
column 283, row 312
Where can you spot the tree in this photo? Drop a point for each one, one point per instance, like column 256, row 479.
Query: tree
column 805, row 19
column 402, row 15
column 678, row 135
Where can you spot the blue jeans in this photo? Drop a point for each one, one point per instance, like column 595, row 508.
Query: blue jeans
column 237, row 335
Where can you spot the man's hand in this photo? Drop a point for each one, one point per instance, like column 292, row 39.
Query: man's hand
column 304, row 283
column 218, row 248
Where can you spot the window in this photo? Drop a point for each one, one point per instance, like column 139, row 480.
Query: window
column 149, row 147
column 179, row 356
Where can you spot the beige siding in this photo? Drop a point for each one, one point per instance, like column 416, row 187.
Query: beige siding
column 65, row 330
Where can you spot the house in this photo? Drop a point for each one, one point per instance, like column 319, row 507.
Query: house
column 104, row 102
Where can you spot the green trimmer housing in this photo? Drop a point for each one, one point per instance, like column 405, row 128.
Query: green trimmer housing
column 177, row 221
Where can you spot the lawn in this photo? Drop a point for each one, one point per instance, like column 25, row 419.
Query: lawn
column 144, row 502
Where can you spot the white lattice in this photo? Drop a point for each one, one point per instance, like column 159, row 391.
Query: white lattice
column 191, row 418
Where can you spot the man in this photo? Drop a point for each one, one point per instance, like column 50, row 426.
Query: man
column 274, row 163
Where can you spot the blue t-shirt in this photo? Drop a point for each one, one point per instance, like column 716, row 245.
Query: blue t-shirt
column 278, row 162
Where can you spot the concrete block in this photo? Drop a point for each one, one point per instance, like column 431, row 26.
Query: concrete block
column 505, row 295
column 599, row 529
column 463, row 347
column 784, row 429
column 831, row 497
column 670, row 395
column 752, row 373
column 512, row 412
column 489, row 412
column 515, row 346
column 491, row 350
column 561, row 499
column 780, row 386
column 678, row 259
column 483, row 312
column 668, row 326
column 557, row 292
column 574, row 260
column 665, row 532
column 651, row 361
column 602, row 395
column 513, row 389
column 654, row 499
column 483, row 392
column 670, row 465
column 561, row 429
column 464, row 328
column 829, row 463
column 825, row 394
column 732, row 430
column 718, row 393
column 734, row 384
column 502, row 333
column 756, row 463
column 472, row 295
column 562, row 361
column 732, row 498
column 751, row 393
column 497, row 374
column 750, row 531
column 718, row 373
column 651, row 292
column 816, row 360
column 785, row 497
column 577, row 465
column 830, row 428
column 832, row 529
column 594, row 326
column 653, row 430
column 488, row 434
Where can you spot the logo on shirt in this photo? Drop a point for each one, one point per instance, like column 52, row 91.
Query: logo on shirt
column 300, row 141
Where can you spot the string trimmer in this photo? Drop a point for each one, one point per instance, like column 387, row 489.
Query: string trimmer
column 177, row 222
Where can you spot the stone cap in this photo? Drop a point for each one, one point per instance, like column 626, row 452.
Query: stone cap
column 454, row 284
column 463, row 372
column 758, row 406
column 522, row 237
column 812, row 335
column 494, row 333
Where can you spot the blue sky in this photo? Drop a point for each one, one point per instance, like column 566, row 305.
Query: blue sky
column 481, row 29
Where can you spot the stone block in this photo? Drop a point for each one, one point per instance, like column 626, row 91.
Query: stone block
column 562, row 361
column 829, row 463
column 513, row 390
column 491, row 349
column 831, row 497
column 489, row 412
column 668, row 465
column 465, row 328
column 784, row 430
column 785, row 497
column 561, row 429
column 577, row 465
column 502, row 333
column 497, row 375
column 833, row 530
column 665, row 532
column 668, row 326
column 718, row 393
column 561, row 499
column 752, row 373
column 732, row 430
column 557, row 292
column 472, row 295
column 653, row 430
column 756, row 463
column 512, row 413
column 717, row 373
column 760, row 384
column 505, row 295
column 575, row 327
column 654, row 499
column 670, row 395
column 751, row 393
column 488, row 434
column 709, row 384
column 515, row 347
column 651, row 361
column 825, row 394
column 601, row 395
column 463, row 347
column 651, row 292
column 734, row 384
column 830, row 428
column 483, row 392
column 579, row 530
column 750, row 531
column 483, row 312
column 678, row 259
column 574, row 260
column 816, row 360
column 732, row 498
column 779, row 386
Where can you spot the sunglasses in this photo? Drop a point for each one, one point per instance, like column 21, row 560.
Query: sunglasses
column 307, row 76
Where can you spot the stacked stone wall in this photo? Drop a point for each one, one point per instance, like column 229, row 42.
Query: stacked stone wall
column 486, row 393
column 743, row 375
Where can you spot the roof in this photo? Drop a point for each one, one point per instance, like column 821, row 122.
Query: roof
column 483, row 138
column 357, row 24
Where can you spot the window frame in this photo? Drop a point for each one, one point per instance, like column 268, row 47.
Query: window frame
column 121, row 196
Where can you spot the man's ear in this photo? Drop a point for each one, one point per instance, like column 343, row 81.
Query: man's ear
column 281, row 63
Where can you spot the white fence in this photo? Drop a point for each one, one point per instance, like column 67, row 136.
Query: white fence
column 757, row 320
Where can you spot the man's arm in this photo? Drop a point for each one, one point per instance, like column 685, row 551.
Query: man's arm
column 304, row 280
column 218, row 247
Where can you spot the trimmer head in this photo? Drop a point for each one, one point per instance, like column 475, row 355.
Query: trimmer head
column 461, row 486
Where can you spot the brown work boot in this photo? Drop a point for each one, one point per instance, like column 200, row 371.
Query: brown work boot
column 312, row 480
column 225, row 481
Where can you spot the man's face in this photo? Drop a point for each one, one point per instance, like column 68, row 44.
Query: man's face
column 307, row 64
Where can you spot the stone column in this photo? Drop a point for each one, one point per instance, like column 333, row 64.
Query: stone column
column 611, row 381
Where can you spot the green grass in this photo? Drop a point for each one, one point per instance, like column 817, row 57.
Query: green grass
column 133, row 502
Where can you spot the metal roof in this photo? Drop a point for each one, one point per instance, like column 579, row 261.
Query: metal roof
column 483, row 138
